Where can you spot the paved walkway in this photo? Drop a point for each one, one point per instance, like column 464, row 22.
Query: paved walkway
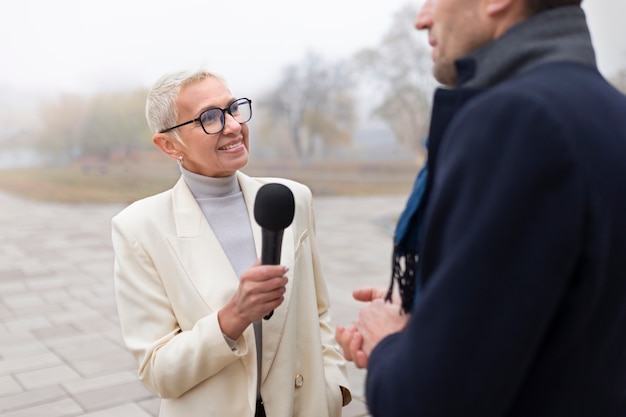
column 61, row 352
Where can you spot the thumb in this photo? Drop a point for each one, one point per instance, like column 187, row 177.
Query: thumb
column 368, row 294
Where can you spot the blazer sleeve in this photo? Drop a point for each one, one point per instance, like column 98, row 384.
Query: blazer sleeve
column 503, row 234
column 171, row 361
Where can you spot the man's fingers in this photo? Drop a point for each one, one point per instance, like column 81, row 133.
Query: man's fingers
column 368, row 294
column 356, row 341
column 343, row 336
column 360, row 360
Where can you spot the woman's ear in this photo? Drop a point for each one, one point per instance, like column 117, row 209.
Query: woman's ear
column 167, row 144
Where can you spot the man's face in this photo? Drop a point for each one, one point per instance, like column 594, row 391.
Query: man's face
column 455, row 28
column 217, row 155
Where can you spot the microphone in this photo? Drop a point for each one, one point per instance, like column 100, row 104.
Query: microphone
column 274, row 208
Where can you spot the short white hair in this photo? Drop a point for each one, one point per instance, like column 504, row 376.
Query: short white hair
column 161, row 107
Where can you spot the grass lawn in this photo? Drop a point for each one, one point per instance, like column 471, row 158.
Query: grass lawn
column 127, row 181
column 121, row 182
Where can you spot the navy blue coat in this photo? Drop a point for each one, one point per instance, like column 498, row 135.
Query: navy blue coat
column 523, row 307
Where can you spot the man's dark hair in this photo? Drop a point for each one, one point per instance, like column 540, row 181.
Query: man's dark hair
column 536, row 6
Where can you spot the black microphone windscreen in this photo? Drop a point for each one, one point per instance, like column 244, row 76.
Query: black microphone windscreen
column 274, row 207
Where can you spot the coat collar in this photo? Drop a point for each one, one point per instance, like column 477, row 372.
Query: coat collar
column 555, row 35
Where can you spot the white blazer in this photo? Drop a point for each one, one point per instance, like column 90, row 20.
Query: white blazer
column 171, row 278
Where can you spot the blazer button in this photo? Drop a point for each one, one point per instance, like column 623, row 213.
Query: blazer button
column 299, row 380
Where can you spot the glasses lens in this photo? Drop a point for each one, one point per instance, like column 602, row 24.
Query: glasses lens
column 241, row 110
column 212, row 121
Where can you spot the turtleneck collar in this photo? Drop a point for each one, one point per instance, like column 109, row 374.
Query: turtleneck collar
column 210, row 187
column 556, row 35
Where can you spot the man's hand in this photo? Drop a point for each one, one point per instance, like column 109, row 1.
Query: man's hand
column 350, row 338
column 368, row 294
column 261, row 290
column 377, row 321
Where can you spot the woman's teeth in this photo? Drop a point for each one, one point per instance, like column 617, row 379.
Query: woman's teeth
column 231, row 146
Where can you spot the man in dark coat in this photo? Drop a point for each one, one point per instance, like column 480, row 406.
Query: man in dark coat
column 521, row 275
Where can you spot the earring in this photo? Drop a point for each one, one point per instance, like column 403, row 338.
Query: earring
column 180, row 159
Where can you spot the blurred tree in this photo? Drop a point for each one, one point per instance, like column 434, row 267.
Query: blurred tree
column 116, row 124
column 18, row 117
column 61, row 125
column 100, row 126
column 398, row 72
column 312, row 105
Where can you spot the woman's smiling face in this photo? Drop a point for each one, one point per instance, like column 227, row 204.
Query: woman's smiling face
column 216, row 155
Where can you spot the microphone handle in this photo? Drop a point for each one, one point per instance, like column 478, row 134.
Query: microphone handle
column 272, row 241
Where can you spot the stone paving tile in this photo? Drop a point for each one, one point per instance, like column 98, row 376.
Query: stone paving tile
column 100, row 382
column 30, row 398
column 23, row 300
column 28, row 363
column 55, row 295
column 114, row 395
column 21, row 349
column 45, row 309
column 61, row 352
column 44, row 377
column 86, row 348
column 151, row 406
column 128, row 410
column 5, row 313
column 79, row 343
column 29, row 323
column 55, row 331
column 100, row 365
column 8, row 386
column 12, row 338
column 62, row 408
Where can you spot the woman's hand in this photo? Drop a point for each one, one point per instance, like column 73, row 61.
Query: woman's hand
column 261, row 290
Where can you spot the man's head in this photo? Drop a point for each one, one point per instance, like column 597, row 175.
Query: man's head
column 197, row 121
column 458, row 27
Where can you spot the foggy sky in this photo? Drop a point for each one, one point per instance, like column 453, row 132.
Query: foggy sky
column 78, row 45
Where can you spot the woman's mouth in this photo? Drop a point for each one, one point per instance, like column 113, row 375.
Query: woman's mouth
column 230, row 146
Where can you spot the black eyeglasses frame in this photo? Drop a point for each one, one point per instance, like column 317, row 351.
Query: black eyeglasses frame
column 224, row 111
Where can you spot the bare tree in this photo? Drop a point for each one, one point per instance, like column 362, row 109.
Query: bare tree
column 61, row 125
column 116, row 123
column 312, row 105
column 73, row 126
column 398, row 71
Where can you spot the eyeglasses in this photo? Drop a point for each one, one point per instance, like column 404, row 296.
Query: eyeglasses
column 212, row 120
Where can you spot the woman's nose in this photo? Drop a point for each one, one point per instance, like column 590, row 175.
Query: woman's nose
column 230, row 124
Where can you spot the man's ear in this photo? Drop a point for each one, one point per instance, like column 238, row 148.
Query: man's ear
column 167, row 144
column 504, row 14
column 495, row 7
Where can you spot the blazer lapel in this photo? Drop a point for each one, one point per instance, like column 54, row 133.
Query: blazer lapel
column 199, row 251
column 274, row 327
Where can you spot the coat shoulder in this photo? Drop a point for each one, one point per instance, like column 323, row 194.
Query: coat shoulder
column 299, row 190
column 146, row 208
